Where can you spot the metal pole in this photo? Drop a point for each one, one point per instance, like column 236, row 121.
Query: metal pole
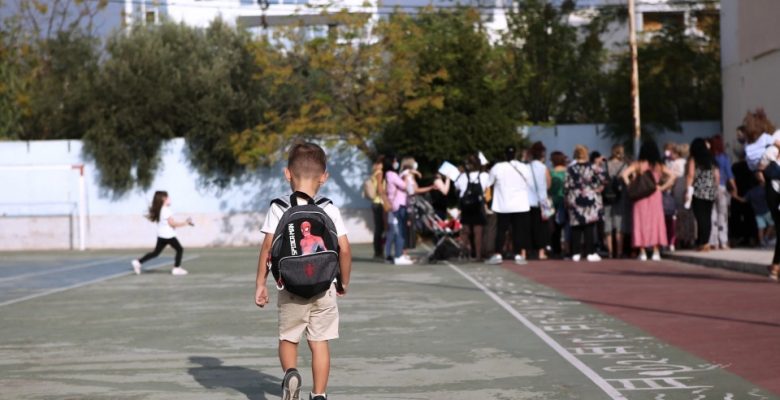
column 634, row 75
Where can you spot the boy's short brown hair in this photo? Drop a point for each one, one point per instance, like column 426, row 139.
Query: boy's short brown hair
column 307, row 160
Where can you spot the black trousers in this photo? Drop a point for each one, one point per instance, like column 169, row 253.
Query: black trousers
column 540, row 231
column 379, row 228
column 577, row 232
column 702, row 211
column 773, row 201
column 518, row 222
column 161, row 243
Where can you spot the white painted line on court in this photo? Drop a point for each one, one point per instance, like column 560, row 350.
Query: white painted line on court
column 81, row 284
column 54, row 271
column 574, row 361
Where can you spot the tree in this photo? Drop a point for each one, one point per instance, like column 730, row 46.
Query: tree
column 344, row 85
column 165, row 81
column 452, row 50
column 541, row 49
column 48, row 56
column 679, row 80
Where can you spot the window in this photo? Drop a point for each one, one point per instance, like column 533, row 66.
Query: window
column 656, row 21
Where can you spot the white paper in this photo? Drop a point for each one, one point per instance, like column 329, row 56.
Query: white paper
column 482, row 159
column 449, row 170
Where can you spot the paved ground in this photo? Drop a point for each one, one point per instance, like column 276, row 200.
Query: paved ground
column 422, row 332
column 752, row 261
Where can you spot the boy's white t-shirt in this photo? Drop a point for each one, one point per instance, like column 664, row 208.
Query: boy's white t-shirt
column 275, row 214
column 164, row 229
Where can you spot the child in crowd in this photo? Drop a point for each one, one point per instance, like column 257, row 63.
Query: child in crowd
column 318, row 316
column 161, row 214
column 756, row 197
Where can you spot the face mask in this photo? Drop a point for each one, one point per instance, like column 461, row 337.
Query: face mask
column 668, row 154
column 414, row 166
column 395, row 165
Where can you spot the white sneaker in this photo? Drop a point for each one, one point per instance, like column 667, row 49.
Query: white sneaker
column 494, row 260
column 643, row 257
column 179, row 271
column 656, row 256
column 403, row 261
column 406, row 257
column 520, row 260
column 136, row 266
column 672, row 248
column 576, row 258
column 593, row 257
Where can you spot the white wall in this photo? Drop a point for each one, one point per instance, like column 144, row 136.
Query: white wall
column 37, row 207
column 565, row 137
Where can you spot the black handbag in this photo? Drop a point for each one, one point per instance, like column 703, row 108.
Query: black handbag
column 643, row 186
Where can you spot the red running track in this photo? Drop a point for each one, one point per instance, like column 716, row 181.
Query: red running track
column 724, row 317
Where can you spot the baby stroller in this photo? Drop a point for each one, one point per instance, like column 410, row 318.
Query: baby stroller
column 444, row 232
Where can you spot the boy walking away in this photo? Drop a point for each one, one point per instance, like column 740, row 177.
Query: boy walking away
column 305, row 248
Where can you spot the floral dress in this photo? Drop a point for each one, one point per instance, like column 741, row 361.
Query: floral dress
column 583, row 198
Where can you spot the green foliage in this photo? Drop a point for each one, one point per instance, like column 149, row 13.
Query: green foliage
column 451, row 47
column 679, row 80
column 165, row 81
column 431, row 85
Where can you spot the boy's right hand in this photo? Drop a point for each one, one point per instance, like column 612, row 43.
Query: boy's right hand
column 261, row 296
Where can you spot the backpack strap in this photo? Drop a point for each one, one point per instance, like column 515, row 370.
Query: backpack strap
column 281, row 203
column 296, row 195
column 323, row 201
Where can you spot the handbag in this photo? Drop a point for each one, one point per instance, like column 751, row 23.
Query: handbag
column 643, row 186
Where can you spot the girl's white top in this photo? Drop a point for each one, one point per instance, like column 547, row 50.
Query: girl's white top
column 164, row 229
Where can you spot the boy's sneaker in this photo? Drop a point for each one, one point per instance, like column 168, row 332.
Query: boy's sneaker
column 403, row 260
column 291, row 385
column 318, row 397
column 494, row 260
column 520, row 260
column 179, row 271
column 595, row 257
column 136, row 267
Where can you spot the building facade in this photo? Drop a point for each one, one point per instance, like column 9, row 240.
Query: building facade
column 750, row 60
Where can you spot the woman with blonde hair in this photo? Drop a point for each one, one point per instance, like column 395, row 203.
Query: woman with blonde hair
column 584, row 184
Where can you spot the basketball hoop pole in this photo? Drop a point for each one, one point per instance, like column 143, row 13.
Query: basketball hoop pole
column 82, row 208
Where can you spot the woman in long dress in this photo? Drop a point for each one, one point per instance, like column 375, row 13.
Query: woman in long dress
column 649, row 227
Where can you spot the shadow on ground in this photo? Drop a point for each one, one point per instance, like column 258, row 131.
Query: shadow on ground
column 211, row 374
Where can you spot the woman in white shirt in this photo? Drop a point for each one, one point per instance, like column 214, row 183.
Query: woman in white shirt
column 510, row 203
column 541, row 180
column 471, row 185
column 160, row 213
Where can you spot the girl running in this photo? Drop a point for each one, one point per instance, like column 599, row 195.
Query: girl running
column 160, row 213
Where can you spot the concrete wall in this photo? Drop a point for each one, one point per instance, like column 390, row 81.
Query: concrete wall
column 37, row 208
column 565, row 137
column 750, row 49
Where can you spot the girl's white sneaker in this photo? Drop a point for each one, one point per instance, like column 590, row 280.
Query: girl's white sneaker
column 594, row 257
column 179, row 271
column 136, row 267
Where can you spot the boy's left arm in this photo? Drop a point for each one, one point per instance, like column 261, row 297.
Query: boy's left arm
column 345, row 263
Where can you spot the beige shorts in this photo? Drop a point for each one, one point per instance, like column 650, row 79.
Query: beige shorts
column 318, row 317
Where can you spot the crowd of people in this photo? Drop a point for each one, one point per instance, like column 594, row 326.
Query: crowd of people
column 531, row 206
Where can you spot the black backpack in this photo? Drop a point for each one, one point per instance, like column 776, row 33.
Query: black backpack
column 613, row 190
column 305, row 249
column 474, row 197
